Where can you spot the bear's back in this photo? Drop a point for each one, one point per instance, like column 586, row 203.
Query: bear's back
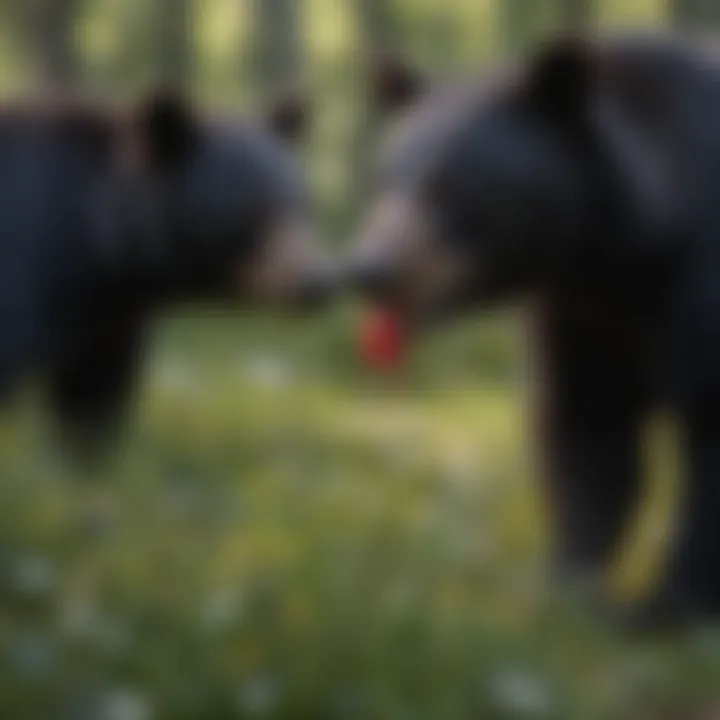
column 50, row 162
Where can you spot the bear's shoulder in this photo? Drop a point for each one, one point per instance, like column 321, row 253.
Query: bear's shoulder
column 89, row 125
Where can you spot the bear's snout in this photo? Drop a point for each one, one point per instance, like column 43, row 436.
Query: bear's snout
column 290, row 267
column 317, row 289
column 373, row 280
column 400, row 259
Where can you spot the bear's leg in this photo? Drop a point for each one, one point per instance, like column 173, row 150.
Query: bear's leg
column 18, row 356
column 588, row 422
column 91, row 389
column 690, row 591
column 696, row 560
column 25, row 333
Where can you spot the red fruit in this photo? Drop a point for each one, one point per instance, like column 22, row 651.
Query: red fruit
column 383, row 340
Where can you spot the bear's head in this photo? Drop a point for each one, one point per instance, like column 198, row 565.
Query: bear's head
column 494, row 188
column 224, row 204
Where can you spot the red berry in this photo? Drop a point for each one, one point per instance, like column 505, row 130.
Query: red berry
column 383, row 341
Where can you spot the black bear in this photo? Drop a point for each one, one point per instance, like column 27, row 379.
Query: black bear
column 586, row 180
column 107, row 216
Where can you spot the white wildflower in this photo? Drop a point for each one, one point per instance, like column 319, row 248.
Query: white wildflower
column 258, row 696
column 521, row 694
column 124, row 704
column 267, row 371
column 33, row 576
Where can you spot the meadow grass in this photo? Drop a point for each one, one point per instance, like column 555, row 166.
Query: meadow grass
column 275, row 540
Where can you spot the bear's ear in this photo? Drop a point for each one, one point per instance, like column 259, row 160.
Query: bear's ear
column 288, row 116
column 166, row 127
column 393, row 84
column 561, row 77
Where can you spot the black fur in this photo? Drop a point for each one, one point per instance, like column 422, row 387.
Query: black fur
column 107, row 216
column 589, row 181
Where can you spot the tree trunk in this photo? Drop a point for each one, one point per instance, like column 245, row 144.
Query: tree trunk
column 695, row 14
column 52, row 25
column 278, row 50
column 173, row 50
column 576, row 15
column 521, row 22
column 377, row 33
column 376, row 25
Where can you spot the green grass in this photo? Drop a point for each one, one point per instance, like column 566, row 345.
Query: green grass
column 276, row 540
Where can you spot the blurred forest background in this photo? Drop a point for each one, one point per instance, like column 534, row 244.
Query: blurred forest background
column 282, row 536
